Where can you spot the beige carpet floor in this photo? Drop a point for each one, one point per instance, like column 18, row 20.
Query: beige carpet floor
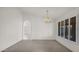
column 37, row 46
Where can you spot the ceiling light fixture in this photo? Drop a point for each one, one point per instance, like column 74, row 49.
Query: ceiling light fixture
column 47, row 19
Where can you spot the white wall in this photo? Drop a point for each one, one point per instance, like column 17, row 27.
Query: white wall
column 39, row 29
column 74, row 46
column 10, row 27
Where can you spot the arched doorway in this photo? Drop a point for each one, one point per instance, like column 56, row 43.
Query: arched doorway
column 27, row 30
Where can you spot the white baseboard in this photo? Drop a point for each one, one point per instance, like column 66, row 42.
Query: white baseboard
column 10, row 45
column 41, row 38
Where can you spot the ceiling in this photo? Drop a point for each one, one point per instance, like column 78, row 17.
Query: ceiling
column 54, row 12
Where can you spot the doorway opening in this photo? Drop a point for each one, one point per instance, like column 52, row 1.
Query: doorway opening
column 27, row 30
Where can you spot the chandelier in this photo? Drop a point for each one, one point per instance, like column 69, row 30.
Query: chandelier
column 47, row 19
